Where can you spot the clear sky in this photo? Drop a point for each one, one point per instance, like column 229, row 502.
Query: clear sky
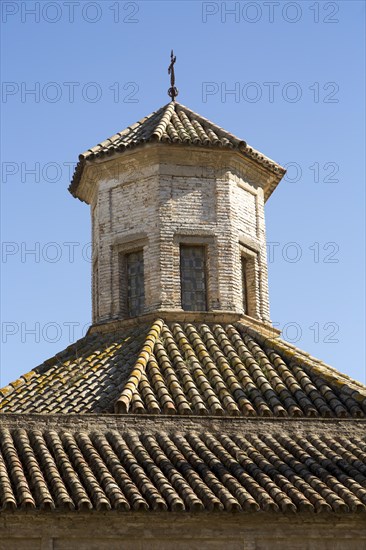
column 287, row 77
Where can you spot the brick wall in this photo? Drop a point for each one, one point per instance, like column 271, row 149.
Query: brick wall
column 156, row 198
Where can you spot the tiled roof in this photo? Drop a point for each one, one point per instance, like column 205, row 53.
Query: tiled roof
column 185, row 369
column 173, row 123
column 85, row 468
column 88, row 376
column 191, row 435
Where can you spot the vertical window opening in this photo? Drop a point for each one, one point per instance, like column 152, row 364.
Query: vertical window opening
column 96, row 290
column 135, row 283
column 244, row 282
column 193, row 278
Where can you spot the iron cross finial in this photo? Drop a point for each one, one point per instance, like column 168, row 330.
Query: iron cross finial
column 173, row 91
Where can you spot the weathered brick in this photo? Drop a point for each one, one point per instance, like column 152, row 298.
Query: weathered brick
column 175, row 195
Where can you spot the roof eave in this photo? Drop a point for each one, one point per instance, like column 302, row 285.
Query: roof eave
column 276, row 171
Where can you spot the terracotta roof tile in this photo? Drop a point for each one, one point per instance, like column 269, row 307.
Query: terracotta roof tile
column 88, row 376
column 84, row 469
column 173, row 123
column 186, row 369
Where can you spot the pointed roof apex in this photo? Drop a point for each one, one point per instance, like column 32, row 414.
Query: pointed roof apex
column 174, row 124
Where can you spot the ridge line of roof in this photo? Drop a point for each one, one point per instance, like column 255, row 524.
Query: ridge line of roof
column 167, row 112
column 123, row 402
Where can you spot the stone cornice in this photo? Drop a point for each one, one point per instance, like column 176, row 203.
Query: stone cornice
column 180, row 316
column 127, row 165
column 187, row 129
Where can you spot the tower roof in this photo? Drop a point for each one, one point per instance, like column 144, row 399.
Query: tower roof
column 173, row 124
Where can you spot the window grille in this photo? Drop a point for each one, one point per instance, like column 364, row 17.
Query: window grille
column 135, row 283
column 193, row 278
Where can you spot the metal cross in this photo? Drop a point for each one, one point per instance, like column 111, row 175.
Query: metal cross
column 173, row 91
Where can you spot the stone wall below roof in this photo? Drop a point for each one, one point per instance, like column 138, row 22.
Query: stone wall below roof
column 168, row 531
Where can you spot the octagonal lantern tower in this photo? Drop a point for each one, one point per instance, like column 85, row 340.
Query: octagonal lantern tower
column 178, row 218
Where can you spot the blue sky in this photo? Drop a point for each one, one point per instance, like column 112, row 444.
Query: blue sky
column 287, row 77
